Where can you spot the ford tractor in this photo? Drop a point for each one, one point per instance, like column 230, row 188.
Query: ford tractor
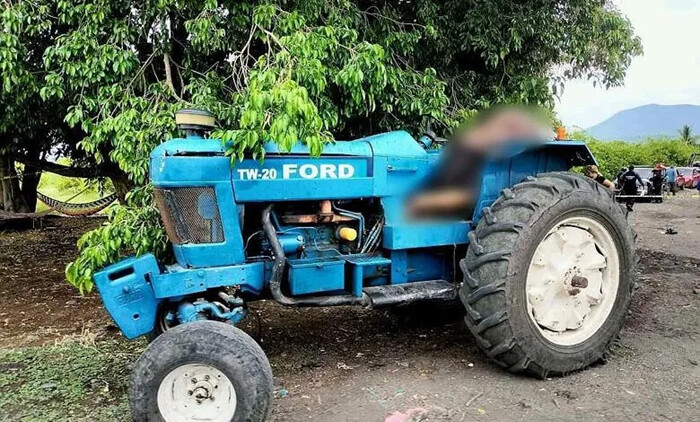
column 544, row 265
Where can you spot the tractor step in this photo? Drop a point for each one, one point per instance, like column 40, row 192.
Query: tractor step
column 410, row 292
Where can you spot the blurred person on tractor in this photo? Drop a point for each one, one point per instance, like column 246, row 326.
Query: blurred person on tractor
column 455, row 186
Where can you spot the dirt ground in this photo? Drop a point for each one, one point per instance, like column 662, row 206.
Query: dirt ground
column 349, row 364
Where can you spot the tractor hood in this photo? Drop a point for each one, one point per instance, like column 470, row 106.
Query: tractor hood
column 385, row 165
column 398, row 143
column 201, row 195
column 379, row 165
column 197, row 187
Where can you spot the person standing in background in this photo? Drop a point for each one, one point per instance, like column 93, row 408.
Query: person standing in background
column 671, row 175
column 618, row 177
column 657, row 180
column 629, row 181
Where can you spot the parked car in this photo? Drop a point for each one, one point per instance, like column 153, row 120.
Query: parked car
column 645, row 173
column 688, row 177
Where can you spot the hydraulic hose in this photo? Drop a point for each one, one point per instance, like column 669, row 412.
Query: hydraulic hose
column 278, row 272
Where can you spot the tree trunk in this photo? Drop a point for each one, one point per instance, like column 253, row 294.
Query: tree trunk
column 30, row 181
column 122, row 185
column 12, row 199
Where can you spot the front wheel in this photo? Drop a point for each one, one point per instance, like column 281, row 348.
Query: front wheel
column 548, row 276
column 204, row 370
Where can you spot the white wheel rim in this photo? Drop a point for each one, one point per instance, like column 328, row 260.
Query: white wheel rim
column 577, row 252
column 196, row 392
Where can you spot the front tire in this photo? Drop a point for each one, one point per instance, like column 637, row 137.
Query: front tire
column 204, row 370
column 549, row 275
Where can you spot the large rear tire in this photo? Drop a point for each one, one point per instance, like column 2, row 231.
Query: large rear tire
column 204, row 370
column 549, row 275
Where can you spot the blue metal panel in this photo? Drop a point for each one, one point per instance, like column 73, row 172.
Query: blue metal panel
column 316, row 275
column 399, row 266
column 395, row 144
column 201, row 171
column 401, row 176
column 427, row 264
column 180, row 281
column 425, row 234
column 364, row 266
column 188, row 171
column 511, row 168
column 128, row 296
column 287, row 178
column 190, row 146
column 358, row 147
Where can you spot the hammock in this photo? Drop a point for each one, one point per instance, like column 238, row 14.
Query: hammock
column 77, row 210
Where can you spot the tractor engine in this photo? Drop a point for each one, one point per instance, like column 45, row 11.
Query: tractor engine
column 317, row 237
column 321, row 229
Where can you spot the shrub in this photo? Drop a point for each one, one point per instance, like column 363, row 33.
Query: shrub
column 614, row 155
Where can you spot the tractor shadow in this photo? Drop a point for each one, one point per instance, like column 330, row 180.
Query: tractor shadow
column 299, row 339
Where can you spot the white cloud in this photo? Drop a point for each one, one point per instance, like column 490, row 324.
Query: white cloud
column 667, row 73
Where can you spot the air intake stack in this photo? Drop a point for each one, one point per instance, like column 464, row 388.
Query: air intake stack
column 195, row 122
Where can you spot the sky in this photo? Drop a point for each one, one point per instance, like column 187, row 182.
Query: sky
column 667, row 73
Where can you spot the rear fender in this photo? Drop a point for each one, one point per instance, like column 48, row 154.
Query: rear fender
column 522, row 161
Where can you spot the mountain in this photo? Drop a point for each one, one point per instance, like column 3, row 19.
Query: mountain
column 651, row 120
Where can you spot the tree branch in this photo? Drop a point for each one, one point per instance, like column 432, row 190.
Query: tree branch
column 86, row 172
column 169, row 76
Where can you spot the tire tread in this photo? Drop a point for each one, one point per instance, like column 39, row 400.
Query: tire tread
column 489, row 322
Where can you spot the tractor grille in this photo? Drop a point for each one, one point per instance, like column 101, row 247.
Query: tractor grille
column 190, row 215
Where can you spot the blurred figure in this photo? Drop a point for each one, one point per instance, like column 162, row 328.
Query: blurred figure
column 671, row 175
column 593, row 172
column 455, row 187
column 657, row 180
column 629, row 186
column 618, row 177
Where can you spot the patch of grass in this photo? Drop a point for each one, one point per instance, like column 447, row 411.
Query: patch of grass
column 71, row 381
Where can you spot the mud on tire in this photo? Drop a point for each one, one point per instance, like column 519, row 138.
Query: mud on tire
column 498, row 259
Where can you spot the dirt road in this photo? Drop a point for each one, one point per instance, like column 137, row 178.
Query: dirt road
column 349, row 364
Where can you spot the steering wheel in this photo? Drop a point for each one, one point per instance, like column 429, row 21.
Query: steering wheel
column 429, row 137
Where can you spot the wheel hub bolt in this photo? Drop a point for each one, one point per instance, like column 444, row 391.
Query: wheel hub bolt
column 201, row 394
column 579, row 281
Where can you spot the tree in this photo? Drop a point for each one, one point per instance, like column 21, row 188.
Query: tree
column 32, row 127
column 293, row 71
column 686, row 135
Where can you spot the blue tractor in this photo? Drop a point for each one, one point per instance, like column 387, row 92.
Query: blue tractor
column 543, row 267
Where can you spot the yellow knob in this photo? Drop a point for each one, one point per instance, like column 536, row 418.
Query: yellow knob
column 347, row 233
